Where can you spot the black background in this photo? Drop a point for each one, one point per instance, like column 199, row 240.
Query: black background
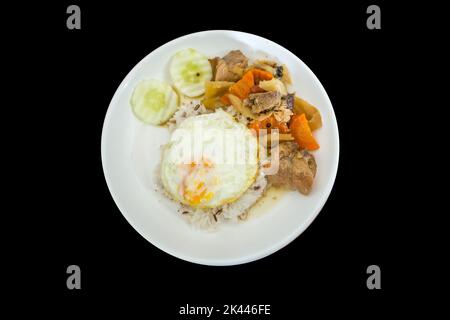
column 324, row 269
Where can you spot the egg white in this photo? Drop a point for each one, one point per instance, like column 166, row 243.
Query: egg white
column 209, row 161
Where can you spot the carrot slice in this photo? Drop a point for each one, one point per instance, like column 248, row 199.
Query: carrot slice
column 311, row 113
column 268, row 124
column 302, row 132
column 259, row 75
column 225, row 99
column 242, row 88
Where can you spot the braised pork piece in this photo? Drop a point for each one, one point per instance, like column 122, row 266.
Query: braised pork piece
column 297, row 168
column 261, row 102
column 230, row 67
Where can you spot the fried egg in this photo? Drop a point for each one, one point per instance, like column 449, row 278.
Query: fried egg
column 209, row 161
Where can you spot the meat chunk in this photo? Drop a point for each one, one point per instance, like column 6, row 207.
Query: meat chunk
column 236, row 59
column 297, row 168
column 304, row 170
column 223, row 72
column 229, row 68
column 285, row 149
column 261, row 102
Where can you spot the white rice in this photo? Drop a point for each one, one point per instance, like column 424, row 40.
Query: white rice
column 238, row 116
column 237, row 210
column 187, row 109
column 210, row 218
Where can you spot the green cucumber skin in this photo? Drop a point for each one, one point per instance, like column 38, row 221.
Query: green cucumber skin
column 154, row 101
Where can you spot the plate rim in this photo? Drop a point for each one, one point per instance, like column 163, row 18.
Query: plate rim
column 261, row 253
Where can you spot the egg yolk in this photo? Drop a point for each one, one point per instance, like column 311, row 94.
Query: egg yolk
column 195, row 183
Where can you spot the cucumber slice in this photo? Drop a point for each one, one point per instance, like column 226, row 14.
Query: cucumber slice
column 189, row 71
column 154, row 101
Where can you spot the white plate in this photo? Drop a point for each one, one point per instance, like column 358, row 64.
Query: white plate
column 131, row 151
